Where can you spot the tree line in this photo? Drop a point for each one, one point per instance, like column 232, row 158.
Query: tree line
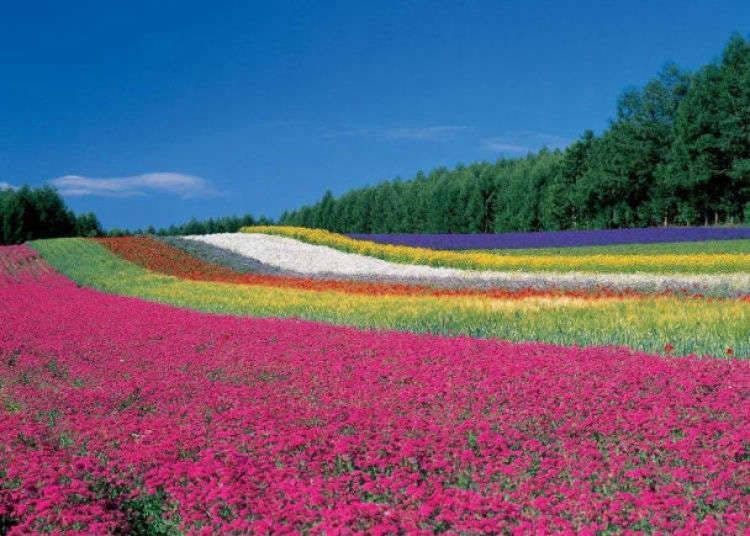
column 227, row 224
column 676, row 153
column 31, row 213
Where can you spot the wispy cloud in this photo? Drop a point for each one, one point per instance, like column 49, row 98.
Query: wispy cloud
column 184, row 186
column 524, row 142
column 498, row 145
column 431, row 133
column 7, row 186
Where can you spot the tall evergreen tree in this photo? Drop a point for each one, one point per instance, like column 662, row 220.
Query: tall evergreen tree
column 709, row 167
column 559, row 204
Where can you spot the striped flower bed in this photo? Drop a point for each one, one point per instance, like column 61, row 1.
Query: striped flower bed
column 657, row 324
column 694, row 263
column 159, row 256
column 294, row 256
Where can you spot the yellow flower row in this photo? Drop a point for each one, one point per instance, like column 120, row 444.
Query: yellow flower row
column 696, row 263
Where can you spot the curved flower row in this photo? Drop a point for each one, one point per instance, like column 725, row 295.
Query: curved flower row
column 223, row 257
column 685, row 326
column 323, row 261
column 120, row 415
column 691, row 263
column 163, row 258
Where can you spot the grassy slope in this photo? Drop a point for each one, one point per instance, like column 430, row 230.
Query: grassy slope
column 691, row 325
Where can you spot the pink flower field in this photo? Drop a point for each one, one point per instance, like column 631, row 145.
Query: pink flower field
column 120, row 415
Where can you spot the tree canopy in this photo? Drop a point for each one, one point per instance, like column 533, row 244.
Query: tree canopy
column 28, row 214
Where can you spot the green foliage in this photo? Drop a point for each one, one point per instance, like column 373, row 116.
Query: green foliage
column 559, row 203
column 677, row 152
column 619, row 187
column 7, row 522
column 709, row 162
column 149, row 515
column 145, row 514
column 88, row 225
column 32, row 213
column 116, row 231
column 27, row 214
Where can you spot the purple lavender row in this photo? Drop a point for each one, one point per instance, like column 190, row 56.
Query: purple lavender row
column 560, row 238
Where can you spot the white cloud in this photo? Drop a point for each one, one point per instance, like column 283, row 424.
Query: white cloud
column 497, row 145
column 427, row 133
column 7, row 186
column 184, row 186
column 432, row 133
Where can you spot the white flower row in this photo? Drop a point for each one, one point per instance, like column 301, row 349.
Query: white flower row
column 293, row 255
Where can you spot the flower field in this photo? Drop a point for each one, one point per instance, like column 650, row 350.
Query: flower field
column 688, row 325
column 477, row 260
column 242, row 251
column 123, row 415
column 161, row 257
column 297, row 381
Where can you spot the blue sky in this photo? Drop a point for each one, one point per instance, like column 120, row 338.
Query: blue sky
column 154, row 112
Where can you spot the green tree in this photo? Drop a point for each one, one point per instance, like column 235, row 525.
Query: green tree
column 559, row 204
column 708, row 169
column 27, row 214
column 87, row 224
column 618, row 188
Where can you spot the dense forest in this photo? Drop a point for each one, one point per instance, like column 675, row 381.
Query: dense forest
column 28, row 214
column 676, row 153
column 227, row 224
